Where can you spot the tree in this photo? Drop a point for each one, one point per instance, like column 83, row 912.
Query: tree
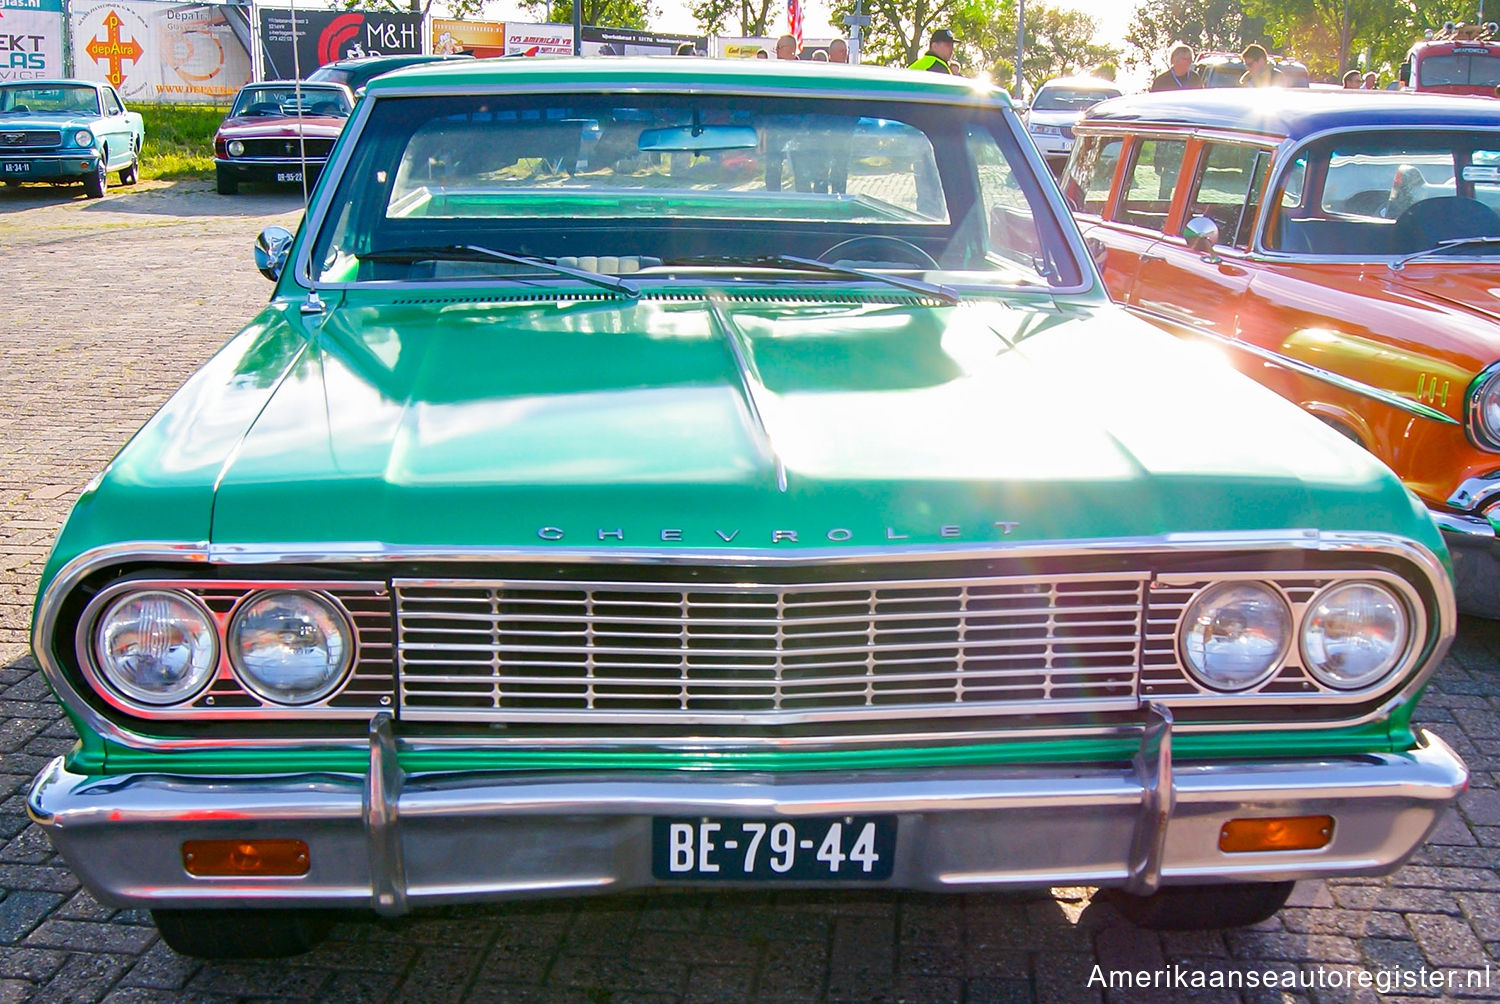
column 1058, row 42
column 611, row 13
column 754, row 17
column 899, row 29
column 1206, row 25
column 456, row 8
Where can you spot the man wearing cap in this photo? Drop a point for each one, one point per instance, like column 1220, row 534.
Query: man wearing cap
column 939, row 53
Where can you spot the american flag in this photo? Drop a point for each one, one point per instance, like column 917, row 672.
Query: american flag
column 794, row 21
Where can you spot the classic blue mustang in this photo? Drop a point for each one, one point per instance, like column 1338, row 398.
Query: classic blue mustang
column 61, row 131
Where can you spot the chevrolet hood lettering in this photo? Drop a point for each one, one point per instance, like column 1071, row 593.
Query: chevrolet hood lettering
column 837, row 535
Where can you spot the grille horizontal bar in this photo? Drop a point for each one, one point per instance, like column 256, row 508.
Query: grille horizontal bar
column 686, row 653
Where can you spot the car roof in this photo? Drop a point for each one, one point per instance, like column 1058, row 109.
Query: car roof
column 1082, row 83
column 1292, row 112
column 394, row 59
column 673, row 73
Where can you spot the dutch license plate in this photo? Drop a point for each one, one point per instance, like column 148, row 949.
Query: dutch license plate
column 15, row 167
column 288, row 175
column 848, row 848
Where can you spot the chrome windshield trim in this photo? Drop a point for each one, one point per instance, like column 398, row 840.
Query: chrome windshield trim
column 1442, row 625
column 977, row 97
column 1306, row 369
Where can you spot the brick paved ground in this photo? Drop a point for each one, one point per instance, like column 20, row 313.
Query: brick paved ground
column 108, row 306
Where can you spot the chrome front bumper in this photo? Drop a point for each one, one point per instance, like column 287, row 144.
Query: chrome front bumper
column 389, row 841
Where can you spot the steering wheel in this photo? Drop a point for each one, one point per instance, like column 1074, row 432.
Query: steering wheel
column 906, row 250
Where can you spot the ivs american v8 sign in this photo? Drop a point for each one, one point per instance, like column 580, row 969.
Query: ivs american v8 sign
column 31, row 39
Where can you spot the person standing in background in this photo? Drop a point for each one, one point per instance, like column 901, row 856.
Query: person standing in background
column 1372, row 81
column 939, row 53
column 786, row 47
column 1258, row 69
column 1179, row 75
column 1351, row 80
column 838, row 51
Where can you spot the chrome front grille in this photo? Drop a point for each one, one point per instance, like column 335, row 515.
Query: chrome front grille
column 12, row 140
column 280, row 149
column 683, row 652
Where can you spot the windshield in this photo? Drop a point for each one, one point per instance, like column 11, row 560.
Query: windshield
column 659, row 184
column 1390, row 193
column 1459, row 69
column 34, row 100
column 1071, row 99
column 254, row 101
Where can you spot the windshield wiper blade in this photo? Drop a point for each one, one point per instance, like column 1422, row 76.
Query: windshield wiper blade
column 935, row 290
column 470, row 252
column 1448, row 245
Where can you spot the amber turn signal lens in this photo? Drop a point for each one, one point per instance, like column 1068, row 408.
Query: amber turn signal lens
column 1284, row 833
column 216, row 858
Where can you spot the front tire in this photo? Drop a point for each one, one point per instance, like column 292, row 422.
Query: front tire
column 1202, row 907
column 96, row 185
column 244, row 933
column 224, row 184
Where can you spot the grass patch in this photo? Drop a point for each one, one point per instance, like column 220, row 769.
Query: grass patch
column 179, row 140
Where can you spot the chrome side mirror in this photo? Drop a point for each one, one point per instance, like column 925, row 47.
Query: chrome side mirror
column 271, row 250
column 1201, row 234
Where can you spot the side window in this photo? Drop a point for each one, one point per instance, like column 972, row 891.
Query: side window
column 1227, row 189
column 1090, row 172
column 1148, row 188
column 111, row 103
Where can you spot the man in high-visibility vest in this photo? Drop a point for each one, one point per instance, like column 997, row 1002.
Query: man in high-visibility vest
column 939, row 53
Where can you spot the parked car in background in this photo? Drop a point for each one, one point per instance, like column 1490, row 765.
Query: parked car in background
column 1224, row 69
column 1343, row 250
column 357, row 72
column 279, row 130
column 1459, row 59
column 567, row 528
column 68, row 131
column 1057, row 105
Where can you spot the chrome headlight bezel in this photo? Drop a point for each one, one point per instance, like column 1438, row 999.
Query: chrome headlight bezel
column 1393, row 662
column 1273, row 664
column 247, row 677
column 128, row 691
column 1482, row 409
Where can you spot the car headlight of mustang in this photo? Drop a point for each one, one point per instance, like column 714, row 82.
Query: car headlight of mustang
column 1354, row 634
column 1484, row 409
column 290, row 647
column 83, row 138
column 157, row 646
column 1236, row 634
column 236, row 148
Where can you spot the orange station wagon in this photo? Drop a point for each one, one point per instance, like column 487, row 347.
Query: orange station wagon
column 1343, row 248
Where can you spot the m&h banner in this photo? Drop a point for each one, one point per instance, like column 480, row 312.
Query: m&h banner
column 324, row 36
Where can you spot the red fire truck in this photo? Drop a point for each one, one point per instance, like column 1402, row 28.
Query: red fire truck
column 1459, row 59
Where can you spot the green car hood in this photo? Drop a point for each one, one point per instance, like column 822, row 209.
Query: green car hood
column 760, row 423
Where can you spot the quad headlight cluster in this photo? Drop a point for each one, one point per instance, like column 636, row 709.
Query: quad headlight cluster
column 162, row 647
column 1351, row 635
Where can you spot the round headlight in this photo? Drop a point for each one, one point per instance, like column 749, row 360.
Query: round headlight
column 157, row 646
column 1354, row 634
column 1235, row 634
column 1485, row 411
column 83, row 138
column 236, row 148
column 290, row 648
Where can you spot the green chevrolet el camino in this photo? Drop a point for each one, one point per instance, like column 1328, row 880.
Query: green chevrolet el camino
column 672, row 472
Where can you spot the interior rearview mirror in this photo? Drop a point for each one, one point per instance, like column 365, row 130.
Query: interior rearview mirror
column 696, row 139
